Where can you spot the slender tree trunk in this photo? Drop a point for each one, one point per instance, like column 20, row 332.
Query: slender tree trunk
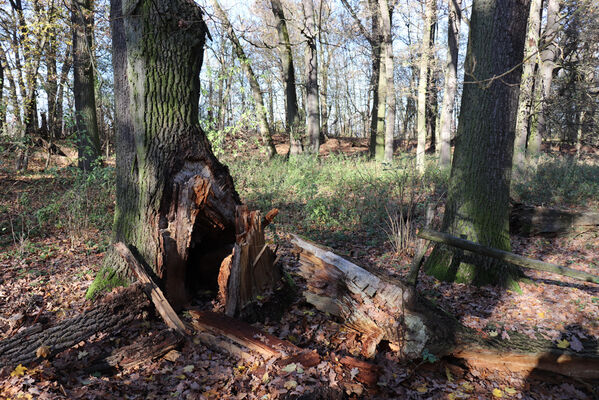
column 175, row 202
column 377, row 137
column 546, row 67
column 311, row 65
column 292, row 119
column 478, row 201
column 425, row 56
column 531, row 48
column 324, row 94
column 64, row 73
column 263, row 124
column 451, row 81
column 88, row 139
column 386, row 19
column 432, row 101
column 2, row 102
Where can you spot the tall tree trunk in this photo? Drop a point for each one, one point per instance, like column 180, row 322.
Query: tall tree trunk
column 64, row 73
column 311, row 65
column 478, row 198
column 423, row 73
column 263, row 124
column 546, row 67
column 88, row 139
column 324, row 94
column 377, row 138
column 2, row 102
column 531, row 47
column 292, row 119
column 175, row 201
column 451, row 82
column 51, row 56
column 386, row 19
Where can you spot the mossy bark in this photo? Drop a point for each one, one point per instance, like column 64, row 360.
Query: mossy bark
column 175, row 200
column 478, row 198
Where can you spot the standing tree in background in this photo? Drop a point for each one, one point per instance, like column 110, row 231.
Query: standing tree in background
column 265, row 130
column 311, row 66
column 175, row 202
column 531, row 49
column 292, row 118
column 454, row 20
column 374, row 39
column 386, row 20
column 426, row 51
column 478, row 204
column 88, row 139
column 549, row 52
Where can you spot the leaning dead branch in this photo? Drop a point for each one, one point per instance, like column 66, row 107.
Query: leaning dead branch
column 506, row 256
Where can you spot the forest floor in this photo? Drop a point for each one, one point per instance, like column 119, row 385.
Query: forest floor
column 55, row 227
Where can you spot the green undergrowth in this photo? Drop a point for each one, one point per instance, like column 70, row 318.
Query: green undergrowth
column 336, row 199
column 66, row 200
column 558, row 180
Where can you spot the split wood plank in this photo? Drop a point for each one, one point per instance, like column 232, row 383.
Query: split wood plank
column 165, row 310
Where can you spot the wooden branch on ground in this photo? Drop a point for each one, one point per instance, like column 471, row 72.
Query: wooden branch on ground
column 112, row 312
column 246, row 338
column 165, row 310
column 506, row 256
column 530, row 220
column 384, row 310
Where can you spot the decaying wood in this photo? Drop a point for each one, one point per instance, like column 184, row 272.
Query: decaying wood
column 245, row 338
column 421, row 247
column 249, row 272
column 112, row 312
column 383, row 310
column 165, row 310
column 506, row 256
column 529, row 220
column 380, row 310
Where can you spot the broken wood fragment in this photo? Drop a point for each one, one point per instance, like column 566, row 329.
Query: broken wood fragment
column 162, row 305
column 506, row 256
column 246, row 338
column 249, row 272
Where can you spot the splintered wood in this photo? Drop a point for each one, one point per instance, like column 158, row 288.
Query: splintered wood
column 242, row 339
column 249, row 271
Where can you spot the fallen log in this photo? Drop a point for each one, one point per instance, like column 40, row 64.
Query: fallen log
column 247, row 338
column 381, row 309
column 530, row 220
column 112, row 312
column 506, row 256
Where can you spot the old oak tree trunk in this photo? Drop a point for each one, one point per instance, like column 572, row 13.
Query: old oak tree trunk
column 176, row 209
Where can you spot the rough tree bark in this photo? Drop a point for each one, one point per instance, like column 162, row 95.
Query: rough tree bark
column 451, row 82
column 478, row 201
column 264, row 127
column 292, row 119
column 88, row 139
column 531, row 48
column 2, row 105
column 311, row 69
column 423, row 73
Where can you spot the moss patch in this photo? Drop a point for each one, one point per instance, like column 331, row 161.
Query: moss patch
column 106, row 280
